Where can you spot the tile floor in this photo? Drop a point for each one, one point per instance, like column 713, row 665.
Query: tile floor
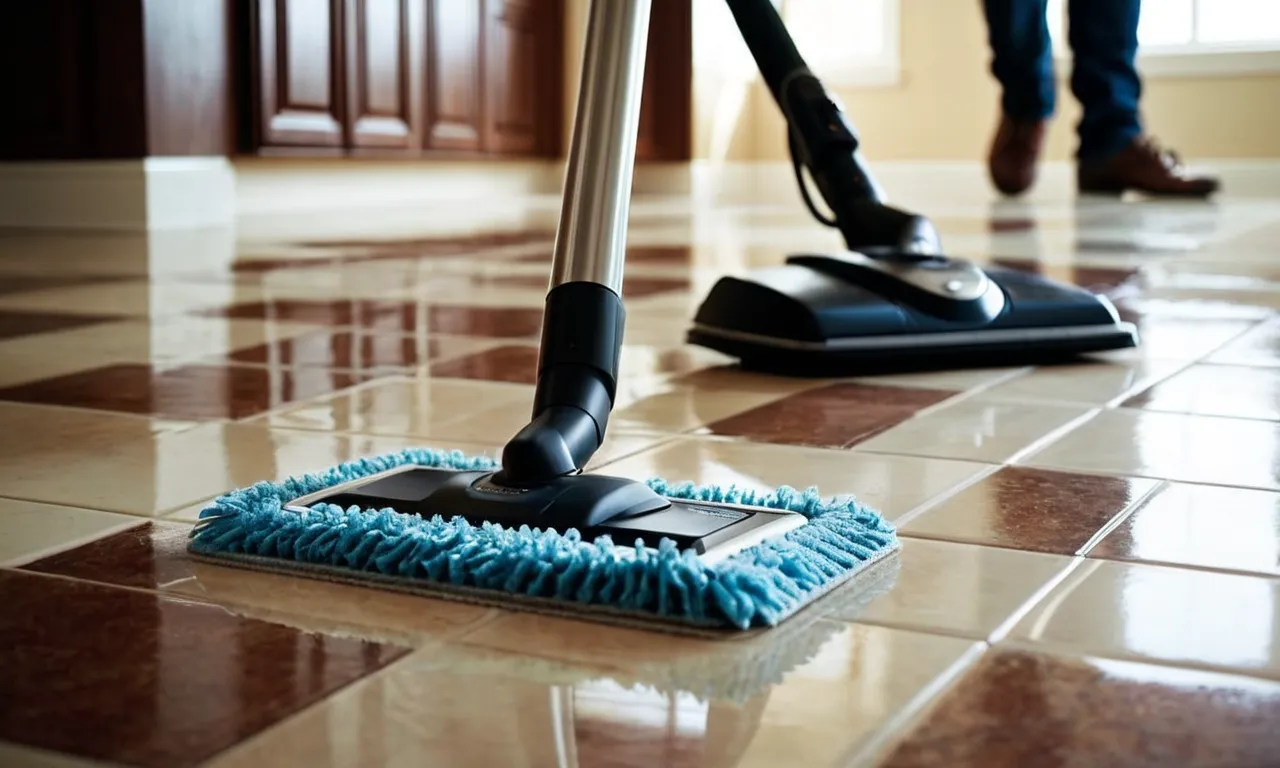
column 1091, row 564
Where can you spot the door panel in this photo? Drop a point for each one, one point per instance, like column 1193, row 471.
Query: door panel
column 455, row 75
column 511, row 78
column 299, row 53
column 666, row 109
column 385, row 61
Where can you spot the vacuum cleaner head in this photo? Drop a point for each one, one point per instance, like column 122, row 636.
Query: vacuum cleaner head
column 872, row 312
column 705, row 560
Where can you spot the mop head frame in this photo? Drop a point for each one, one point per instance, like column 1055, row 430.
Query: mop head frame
column 543, row 570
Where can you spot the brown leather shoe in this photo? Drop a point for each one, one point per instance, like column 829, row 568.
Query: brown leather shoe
column 1015, row 154
column 1143, row 167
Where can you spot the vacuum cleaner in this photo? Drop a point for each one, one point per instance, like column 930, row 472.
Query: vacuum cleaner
column 893, row 300
column 535, row 532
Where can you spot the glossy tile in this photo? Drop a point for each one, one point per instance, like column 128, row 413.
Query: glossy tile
column 15, row 324
column 361, row 313
column 1205, row 526
column 1193, row 449
column 160, row 681
column 131, row 298
column 1215, row 390
column 977, row 429
column 1032, row 509
column 958, row 589
column 893, row 485
column 1173, row 337
column 153, row 556
column 354, row 350
column 122, row 464
column 188, row 392
column 509, row 363
column 593, row 701
column 29, row 530
column 421, row 407
column 1092, row 383
column 162, row 345
column 1019, row 708
column 1174, row 615
column 1259, row 347
column 832, row 416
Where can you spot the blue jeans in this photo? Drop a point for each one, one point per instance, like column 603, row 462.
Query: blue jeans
column 1103, row 35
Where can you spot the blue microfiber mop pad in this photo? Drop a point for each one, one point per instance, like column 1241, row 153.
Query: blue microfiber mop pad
column 757, row 587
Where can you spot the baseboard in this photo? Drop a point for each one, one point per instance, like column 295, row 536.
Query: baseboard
column 156, row 193
column 940, row 183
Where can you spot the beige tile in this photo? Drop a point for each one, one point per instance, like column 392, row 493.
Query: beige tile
column 1095, row 383
column 139, row 298
column 27, row 757
column 433, row 710
column 117, row 463
column 1173, row 446
column 162, row 344
column 959, row 589
column 319, row 606
column 1177, row 615
column 892, row 485
column 958, row 381
column 419, row 407
column 29, row 530
column 976, row 429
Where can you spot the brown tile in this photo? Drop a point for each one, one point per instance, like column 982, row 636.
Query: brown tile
column 129, row 677
column 363, row 314
column 1094, row 278
column 14, row 324
column 147, row 556
column 514, row 364
column 834, row 416
column 633, row 287
column 189, row 392
column 1031, row 509
column 344, row 350
column 21, row 283
column 667, row 255
column 1019, row 708
column 1201, row 525
column 1215, row 390
column 494, row 322
column 154, row 556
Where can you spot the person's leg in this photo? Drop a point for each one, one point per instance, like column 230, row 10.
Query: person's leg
column 1113, row 155
column 1021, row 57
column 1022, row 62
column 1104, row 78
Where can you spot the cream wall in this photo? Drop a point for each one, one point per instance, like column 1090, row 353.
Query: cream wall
column 945, row 103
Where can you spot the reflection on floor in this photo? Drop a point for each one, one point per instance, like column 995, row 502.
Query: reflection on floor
column 1091, row 562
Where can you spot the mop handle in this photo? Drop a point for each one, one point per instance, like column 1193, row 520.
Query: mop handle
column 591, row 237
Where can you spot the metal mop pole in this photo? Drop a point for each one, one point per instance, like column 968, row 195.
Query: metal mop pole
column 583, row 319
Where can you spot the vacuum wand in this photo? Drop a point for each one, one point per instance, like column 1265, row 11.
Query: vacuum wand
column 822, row 140
column 584, row 317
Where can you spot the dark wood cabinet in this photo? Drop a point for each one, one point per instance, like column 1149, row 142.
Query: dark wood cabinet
column 299, row 71
column 666, row 110
column 511, row 81
column 454, row 75
column 384, row 72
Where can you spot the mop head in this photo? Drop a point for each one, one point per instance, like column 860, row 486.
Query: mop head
column 544, row 570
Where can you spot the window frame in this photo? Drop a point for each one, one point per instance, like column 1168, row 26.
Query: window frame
column 884, row 69
column 1187, row 60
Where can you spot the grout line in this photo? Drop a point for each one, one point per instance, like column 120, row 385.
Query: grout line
column 68, row 545
column 899, row 725
column 1124, row 514
column 901, row 520
column 1215, row 569
column 1044, row 441
column 1076, row 576
column 1046, row 589
column 1064, row 650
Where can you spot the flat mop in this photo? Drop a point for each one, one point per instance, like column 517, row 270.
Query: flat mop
column 535, row 532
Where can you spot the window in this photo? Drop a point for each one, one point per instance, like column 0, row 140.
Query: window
column 847, row 42
column 1196, row 37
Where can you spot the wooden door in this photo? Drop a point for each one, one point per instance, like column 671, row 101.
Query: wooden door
column 523, row 75
column 299, row 48
column 666, row 109
column 454, row 98
column 385, row 59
